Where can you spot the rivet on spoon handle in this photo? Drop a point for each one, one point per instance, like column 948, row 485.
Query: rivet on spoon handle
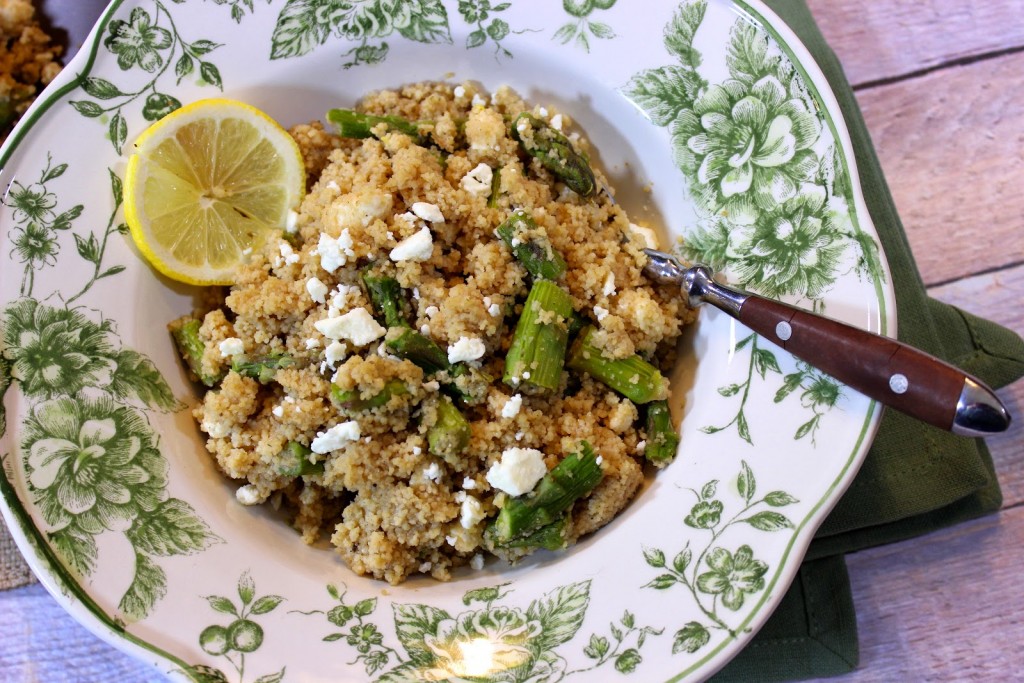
column 889, row 371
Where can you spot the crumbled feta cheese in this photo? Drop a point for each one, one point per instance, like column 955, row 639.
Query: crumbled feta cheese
column 599, row 459
column 359, row 210
column 357, row 326
column 649, row 237
column 431, row 311
column 335, row 437
column 433, row 472
column 334, row 352
column 331, row 185
column 278, row 411
column 335, row 253
column 289, row 399
column 417, row 247
column 477, row 562
column 248, row 495
column 428, row 212
column 512, row 406
column 216, row 430
column 450, row 540
column 317, row 290
column 432, row 385
column 478, row 101
column 518, row 471
column 468, row 484
column 459, row 92
column 466, row 348
column 425, row 330
column 416, row 450
column 425, row 567
column 472, row 513
column 416, row 293
column 609, row 285
column 526, row 374
column 312, row 343
column 291, row 222
column 601, row 312
column 494, row 310
column 641, row 446
column 341, row 295
column 232, row 346
column 556, row 122
column 478, row 181
column 519, row 436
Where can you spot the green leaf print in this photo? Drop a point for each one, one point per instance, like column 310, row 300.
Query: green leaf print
column 148, row 586
column 560, row 613
column 679, row 33
column 665, row 92
column 412, row 624
column 173, row 528
column 77, row 549
column 428, row 22
column 136, row 376
column 300, row 28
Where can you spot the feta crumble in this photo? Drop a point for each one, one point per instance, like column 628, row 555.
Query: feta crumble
column 601, row 312
column 312, row 343
column 466, row 348
column 232, row 346
column 335, row 437
column 431, row 311
column 278, row 411
column 433, row 472
column 477, row 562
column 334, row 253
column 609, row 285
column 459, row 92
column 649, row 237
column 417, row 247
column 317, row 290
column 428, row 212
column 518, row 471
column 556, row 122
column 291, row 222
column 641, row 446
column 248, row 495
column 512, row 406
column 478, row 181
column 356, row 326
column 334, row 352
column 472, row 513
column 468, row 484
column 478, row 101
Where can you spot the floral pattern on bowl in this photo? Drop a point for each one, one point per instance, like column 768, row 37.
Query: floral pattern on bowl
column 725, row 120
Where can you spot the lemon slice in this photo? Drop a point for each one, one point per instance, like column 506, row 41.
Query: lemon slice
column 208, row 184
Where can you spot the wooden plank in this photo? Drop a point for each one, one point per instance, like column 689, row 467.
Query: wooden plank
column 997, row 296
column 883, row 40
column 942, row 607
column 951, row 146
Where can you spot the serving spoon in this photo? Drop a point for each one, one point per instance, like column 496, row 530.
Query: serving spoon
column 891, row 372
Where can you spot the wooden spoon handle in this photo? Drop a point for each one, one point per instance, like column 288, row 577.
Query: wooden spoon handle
column 889, row 371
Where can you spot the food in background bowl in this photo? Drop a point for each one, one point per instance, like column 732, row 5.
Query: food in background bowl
column 450, row 351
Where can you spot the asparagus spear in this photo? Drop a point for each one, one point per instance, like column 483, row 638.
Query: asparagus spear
column 521, row 517
column 449, row 435
column 262, row 368
column 386, row 295
column 185, row 332
column 492, row 200
column 353, row 124
column 531, row 247
column 550, row 537
column 351, row 400
column 662, row 439
column 296, row 462
column 466, row 383
column 555, row 153
column 420, row 349
column 537, row 353
column 633, row 377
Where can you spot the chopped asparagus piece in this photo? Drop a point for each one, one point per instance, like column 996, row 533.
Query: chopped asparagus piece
column 555, row 153
column 531, row 247
column 550, row 537
column 537, row 353
column 353, row 124
column 351, row 400
column 662, row 440
column 576, row 323
column 185, row 332
column 573, row 478
column 296, row 461
column 262, row 368
column 633, row 377
column 420, row 349
column 492, row 200
column 386, row 295
column 466, row 383
column 449, row 435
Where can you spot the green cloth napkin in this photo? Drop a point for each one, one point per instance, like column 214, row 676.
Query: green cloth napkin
column 916, row 478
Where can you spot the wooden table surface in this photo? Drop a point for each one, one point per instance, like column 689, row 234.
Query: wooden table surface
column 940, row 86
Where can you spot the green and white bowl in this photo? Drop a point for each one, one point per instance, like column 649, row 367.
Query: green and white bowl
column 709, row 117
